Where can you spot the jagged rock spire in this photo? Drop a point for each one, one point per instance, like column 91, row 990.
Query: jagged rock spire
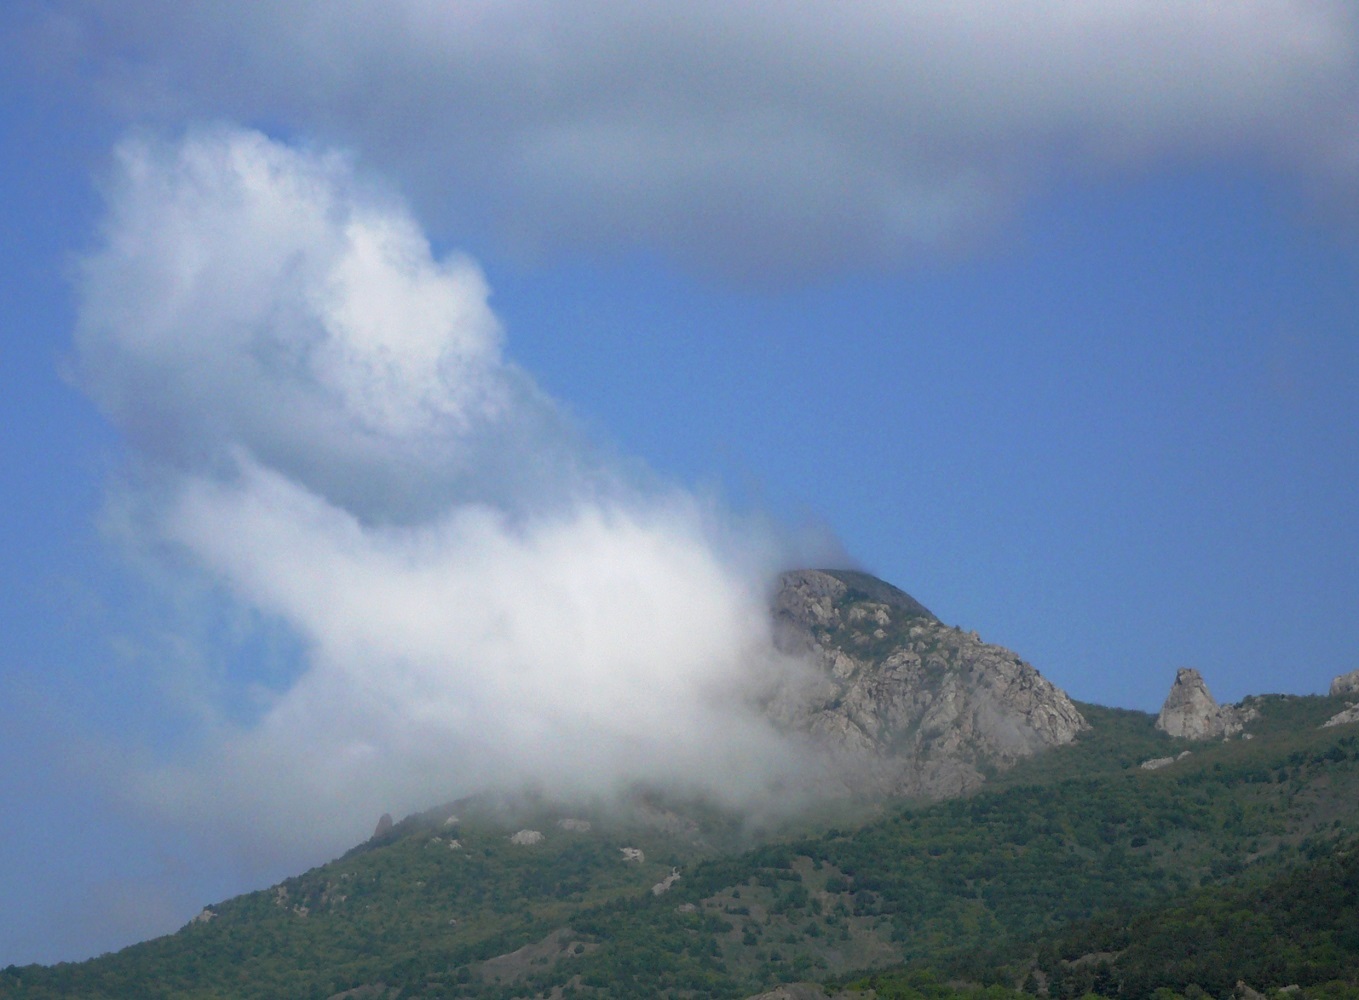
column 1191, row 712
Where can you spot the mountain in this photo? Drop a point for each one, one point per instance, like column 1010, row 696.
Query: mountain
column 1071, row 868
column 909, row 706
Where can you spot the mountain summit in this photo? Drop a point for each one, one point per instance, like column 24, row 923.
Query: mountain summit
column 906, row 704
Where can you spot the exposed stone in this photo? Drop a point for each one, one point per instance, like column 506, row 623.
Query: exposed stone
column 204, row 916
column 664, row 884
column 515, row 965
column 1159, row 762
column 375, row 991
column 1345, row 684
column 526, row 838
column 1349, row 715
column 662, row 820
column 633, row 854
column 384, row 825
column 904, row 703
column 793, row 991
column 1191, row 712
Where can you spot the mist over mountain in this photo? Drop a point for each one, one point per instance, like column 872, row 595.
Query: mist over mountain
column 324, row 432
column 968, row 833
column 415, row 398
column 327, row 443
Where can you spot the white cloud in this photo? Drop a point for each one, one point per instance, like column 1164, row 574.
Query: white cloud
column 249, row 294
column 582, row 651
column 276, row 339
column 758, row 137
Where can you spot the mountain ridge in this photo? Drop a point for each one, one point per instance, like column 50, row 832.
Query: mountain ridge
column 656, row 894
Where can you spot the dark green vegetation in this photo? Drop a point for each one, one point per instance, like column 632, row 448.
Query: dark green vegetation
column 1076, row 872
column 1301, row 927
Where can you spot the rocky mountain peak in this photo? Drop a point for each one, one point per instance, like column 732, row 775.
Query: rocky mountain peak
column 910, row 705
column 1192, row 713
column 1345, row 684
column 816, row 597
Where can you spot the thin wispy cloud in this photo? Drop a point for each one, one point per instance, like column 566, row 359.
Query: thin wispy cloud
column 768, row 139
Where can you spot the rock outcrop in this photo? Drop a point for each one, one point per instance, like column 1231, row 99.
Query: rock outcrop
column 1344, row 718
column 1192, row 713
column 793, row 991
column 1345, row 684
column 1156, row 763
column 664, row 884
column 908, row 704
column 374, row 991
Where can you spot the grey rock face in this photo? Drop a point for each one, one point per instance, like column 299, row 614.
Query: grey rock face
column 1156, row 763
column 908, row 704
column 1344, row 718
column 1345, row 684
column 1192, row 713
column 664, row 884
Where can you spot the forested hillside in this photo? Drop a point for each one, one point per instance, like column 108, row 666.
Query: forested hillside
column 1077, row 871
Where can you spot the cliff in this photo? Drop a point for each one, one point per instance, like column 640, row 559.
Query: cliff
column 907, row 704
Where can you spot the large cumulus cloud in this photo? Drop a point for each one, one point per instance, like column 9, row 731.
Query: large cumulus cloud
column 251, row 295
column 755, row 138
column 324, row 424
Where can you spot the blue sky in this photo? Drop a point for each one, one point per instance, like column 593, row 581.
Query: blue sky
column 1048, row 315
